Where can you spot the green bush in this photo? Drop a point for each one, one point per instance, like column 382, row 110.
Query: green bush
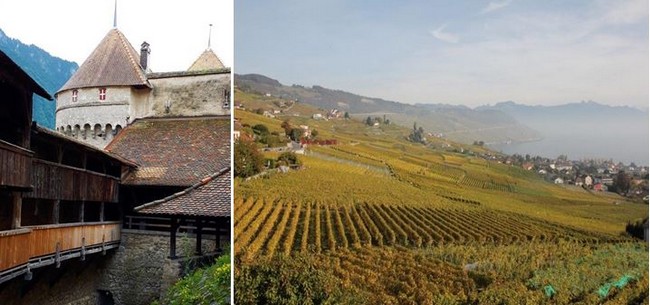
column 289, row 280
column 209, row 285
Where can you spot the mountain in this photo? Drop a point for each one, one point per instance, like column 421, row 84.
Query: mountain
column 48, row 71
column 458, row 123
column 582, row 130
column 584, row 109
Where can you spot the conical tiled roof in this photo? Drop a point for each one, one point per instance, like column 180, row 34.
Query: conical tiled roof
column 114, row 62
column 207, row 61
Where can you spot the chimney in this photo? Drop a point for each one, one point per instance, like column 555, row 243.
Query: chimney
column 144, row 55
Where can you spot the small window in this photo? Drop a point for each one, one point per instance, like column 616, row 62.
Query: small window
column 75, row 94
column 102, row 94
column 226, row 98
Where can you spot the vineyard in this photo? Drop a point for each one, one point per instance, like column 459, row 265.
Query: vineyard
column 264, row 227
column 385, row 221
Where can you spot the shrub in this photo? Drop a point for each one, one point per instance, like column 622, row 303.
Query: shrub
column 209, row 285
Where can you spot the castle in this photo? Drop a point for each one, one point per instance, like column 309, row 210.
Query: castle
column 115, row 86
column 139, row 159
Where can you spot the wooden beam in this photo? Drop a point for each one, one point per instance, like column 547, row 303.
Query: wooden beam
column 56, row 208
column 17, row 203
column 172, row 238
column 27, row 132
column 59, row 153
column 81, row 211
column 101, row 211
column 199, row 227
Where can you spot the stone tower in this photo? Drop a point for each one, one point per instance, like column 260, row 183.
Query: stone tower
column 94, row 105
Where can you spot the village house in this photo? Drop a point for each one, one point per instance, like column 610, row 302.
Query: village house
column 306, row 131
column 528, row 166
column 579, row 181
column 599, row 187
column 558, row 180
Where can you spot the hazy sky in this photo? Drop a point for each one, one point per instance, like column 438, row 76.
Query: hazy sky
column 459, row 52
column 176, row 30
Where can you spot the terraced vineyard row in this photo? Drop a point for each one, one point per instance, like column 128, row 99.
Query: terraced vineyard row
column 487, row 184
column 382, row 270
column 267, row 227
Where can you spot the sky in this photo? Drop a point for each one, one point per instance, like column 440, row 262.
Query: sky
column 457, row 52
column 177, row 31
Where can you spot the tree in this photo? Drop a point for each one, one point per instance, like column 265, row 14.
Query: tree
column 417, row 135
column 621, row 182
column 286, row 126
column 369, row 121
column 295, row 134
column 314, row 133
column 289, row 158
column 248, row 160
column 346, row 115
column 260, row 130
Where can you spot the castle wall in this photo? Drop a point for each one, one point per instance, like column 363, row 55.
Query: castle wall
column 186, row 94
column 91, row 120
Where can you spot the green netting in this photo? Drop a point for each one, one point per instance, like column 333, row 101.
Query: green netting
column 549, row 291
column 603, row 291
column 623, row 281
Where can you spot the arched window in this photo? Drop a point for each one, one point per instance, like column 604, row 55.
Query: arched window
column 86, row 130
column 97, row 131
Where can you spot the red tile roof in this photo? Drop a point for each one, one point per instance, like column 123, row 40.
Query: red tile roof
column 208, row 198
column 174, row 152
column 114, row 62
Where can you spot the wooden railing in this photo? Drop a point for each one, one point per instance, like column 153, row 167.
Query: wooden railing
column 55, row 181
column 15, row 165
column 31, row 245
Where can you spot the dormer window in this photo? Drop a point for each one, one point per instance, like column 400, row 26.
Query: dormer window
column 75, row 94
column 102, row 94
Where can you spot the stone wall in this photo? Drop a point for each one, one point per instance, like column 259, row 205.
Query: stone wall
column 74, row 283
column 137, row 273
column 140, row 271
column 186, row 94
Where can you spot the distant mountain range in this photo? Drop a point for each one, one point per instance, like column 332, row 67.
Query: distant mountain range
column 50, row 72
column 458, row 123
column 573, row 111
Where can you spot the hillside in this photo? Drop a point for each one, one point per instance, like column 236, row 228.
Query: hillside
column 376, row 219
column 50, row 72
column 457, row 123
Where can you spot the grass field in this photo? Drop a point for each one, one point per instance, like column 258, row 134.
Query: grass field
column 394, row 222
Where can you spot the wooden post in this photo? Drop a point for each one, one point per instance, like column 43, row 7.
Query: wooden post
column 101, row 212
column 17, row 201
column 55, row 211
column 84, row 160
column 172, row 238
column 27, row 131
column 199, row 227
column 59, row 153
column 217, row 242
column 81, row 211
